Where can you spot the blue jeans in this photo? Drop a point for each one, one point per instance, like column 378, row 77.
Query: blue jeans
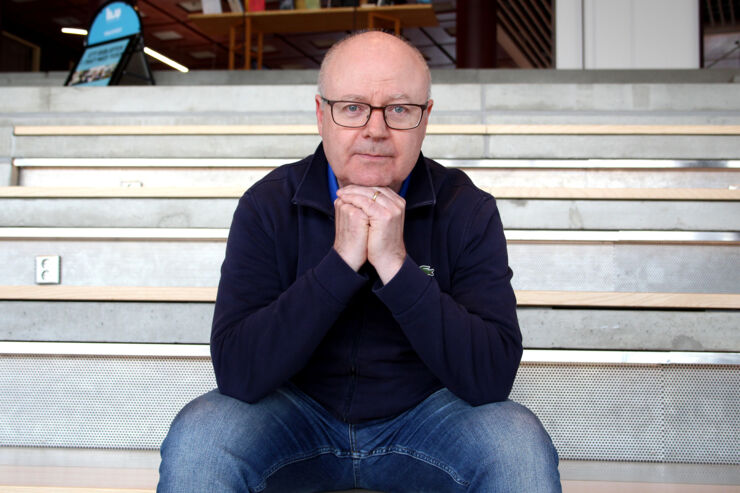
column 287, row 442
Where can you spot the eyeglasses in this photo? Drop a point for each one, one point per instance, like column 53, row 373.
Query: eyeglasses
column 355, row 115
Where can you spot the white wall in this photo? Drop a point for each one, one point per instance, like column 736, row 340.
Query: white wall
column 627, row 34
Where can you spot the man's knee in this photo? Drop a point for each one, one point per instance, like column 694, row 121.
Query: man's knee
column 192, row 425
column 202, row 451
column 516, row 448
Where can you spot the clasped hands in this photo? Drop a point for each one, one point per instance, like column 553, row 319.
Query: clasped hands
column 369, row 227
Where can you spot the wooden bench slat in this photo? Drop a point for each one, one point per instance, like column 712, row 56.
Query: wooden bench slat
column 587, row 299
column 528, row 236
column 81, row 130
column 108, row 293
column 544, row 193
column 438, row 129
column 729, row 301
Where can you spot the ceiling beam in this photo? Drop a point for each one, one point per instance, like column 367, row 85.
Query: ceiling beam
column 535, row 34
column 508, row 44
column 546, row 31
column 519, row 33
column 708, row 3
column 732, row 12
column 516, row 36
column 436, row 43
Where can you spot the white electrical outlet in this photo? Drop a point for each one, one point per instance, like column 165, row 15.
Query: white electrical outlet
column 48, row 269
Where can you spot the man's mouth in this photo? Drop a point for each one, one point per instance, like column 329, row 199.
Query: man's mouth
column 373, row 156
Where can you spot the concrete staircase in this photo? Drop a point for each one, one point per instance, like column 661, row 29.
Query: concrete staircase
column 619, row 196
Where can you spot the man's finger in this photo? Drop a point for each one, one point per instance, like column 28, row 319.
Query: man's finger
column 369, row 192
column 366, row 198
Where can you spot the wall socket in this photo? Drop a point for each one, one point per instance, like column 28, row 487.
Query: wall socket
column 48, row 269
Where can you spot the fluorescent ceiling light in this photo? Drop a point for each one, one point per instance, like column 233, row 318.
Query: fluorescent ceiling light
column 147, row 50
column 165, row 60
column 201, row 55
column 67, row 21
column 191, row 6
column 167, row 35
column 74, row 30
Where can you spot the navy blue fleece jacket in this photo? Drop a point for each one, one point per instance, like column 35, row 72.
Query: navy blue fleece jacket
column 289, row 308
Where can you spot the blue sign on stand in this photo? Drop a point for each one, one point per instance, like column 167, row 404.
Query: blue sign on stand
column 99, row 63
column 114, row 50
column 114, row 20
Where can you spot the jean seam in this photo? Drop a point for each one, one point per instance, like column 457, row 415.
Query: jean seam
column 354, row 454
column 309, row 455
column 428, row 459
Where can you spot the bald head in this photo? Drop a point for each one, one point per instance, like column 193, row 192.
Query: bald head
column 381, row 71
column 372, row 42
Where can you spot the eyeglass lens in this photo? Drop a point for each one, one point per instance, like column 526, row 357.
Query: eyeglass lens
column 398, row 116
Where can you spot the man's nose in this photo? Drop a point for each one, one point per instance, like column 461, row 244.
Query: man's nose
column 376, row 124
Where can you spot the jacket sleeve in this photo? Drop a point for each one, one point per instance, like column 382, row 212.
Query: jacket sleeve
column 468, row 337
column 264, row 331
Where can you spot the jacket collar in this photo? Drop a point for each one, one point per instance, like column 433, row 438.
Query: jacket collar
column 313, row 189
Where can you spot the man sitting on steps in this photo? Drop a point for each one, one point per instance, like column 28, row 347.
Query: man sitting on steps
column 365, row 331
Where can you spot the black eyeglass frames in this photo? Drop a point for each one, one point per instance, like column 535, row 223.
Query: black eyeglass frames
column 398, row 116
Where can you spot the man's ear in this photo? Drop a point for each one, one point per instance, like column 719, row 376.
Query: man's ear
column 425, row 117
column 319, row 114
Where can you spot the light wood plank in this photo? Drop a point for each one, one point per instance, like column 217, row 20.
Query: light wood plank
column 600, row 129
column 439, row 129
column 75, row 479
column 684, row 194
column 122, row 192
column 629, row 300
column 623, row 487
column 131, row 234
column 314, row 20
column 108, row 293
column 568, row 487
column 545, row 193
column 78, row 130
column 528, row 236
column 69, row 489
column 587, row 299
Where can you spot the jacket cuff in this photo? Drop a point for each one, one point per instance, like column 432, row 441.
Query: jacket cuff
column 405, row 289
column 337, row 278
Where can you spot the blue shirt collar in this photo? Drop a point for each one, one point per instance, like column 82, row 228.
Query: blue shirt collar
column 334, row 184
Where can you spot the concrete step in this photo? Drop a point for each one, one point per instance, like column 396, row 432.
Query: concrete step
column 449, row 97
column 240, row 172
column 453, row 146
column 626, row 328
column 116, row 479
column 596, row 406
column 524, row 213
column 641, row 261
column 636, row 478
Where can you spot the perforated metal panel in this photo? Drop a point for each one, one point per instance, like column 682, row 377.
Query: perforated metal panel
column 95, row 402
column 702, row 413
column 663, row 413
column 674, row 413
column 596, row 412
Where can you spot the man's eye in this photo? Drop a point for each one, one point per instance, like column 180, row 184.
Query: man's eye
column 351, row 108
column 398, row 110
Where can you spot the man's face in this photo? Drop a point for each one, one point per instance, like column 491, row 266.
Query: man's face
column 379, row 70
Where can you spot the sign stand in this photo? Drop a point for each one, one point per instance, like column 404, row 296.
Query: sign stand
column 114, row 50
column 136, row 71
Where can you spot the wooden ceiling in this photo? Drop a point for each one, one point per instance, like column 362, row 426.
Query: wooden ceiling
column 525, row 26
column 720, row 15
column 525, row 33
